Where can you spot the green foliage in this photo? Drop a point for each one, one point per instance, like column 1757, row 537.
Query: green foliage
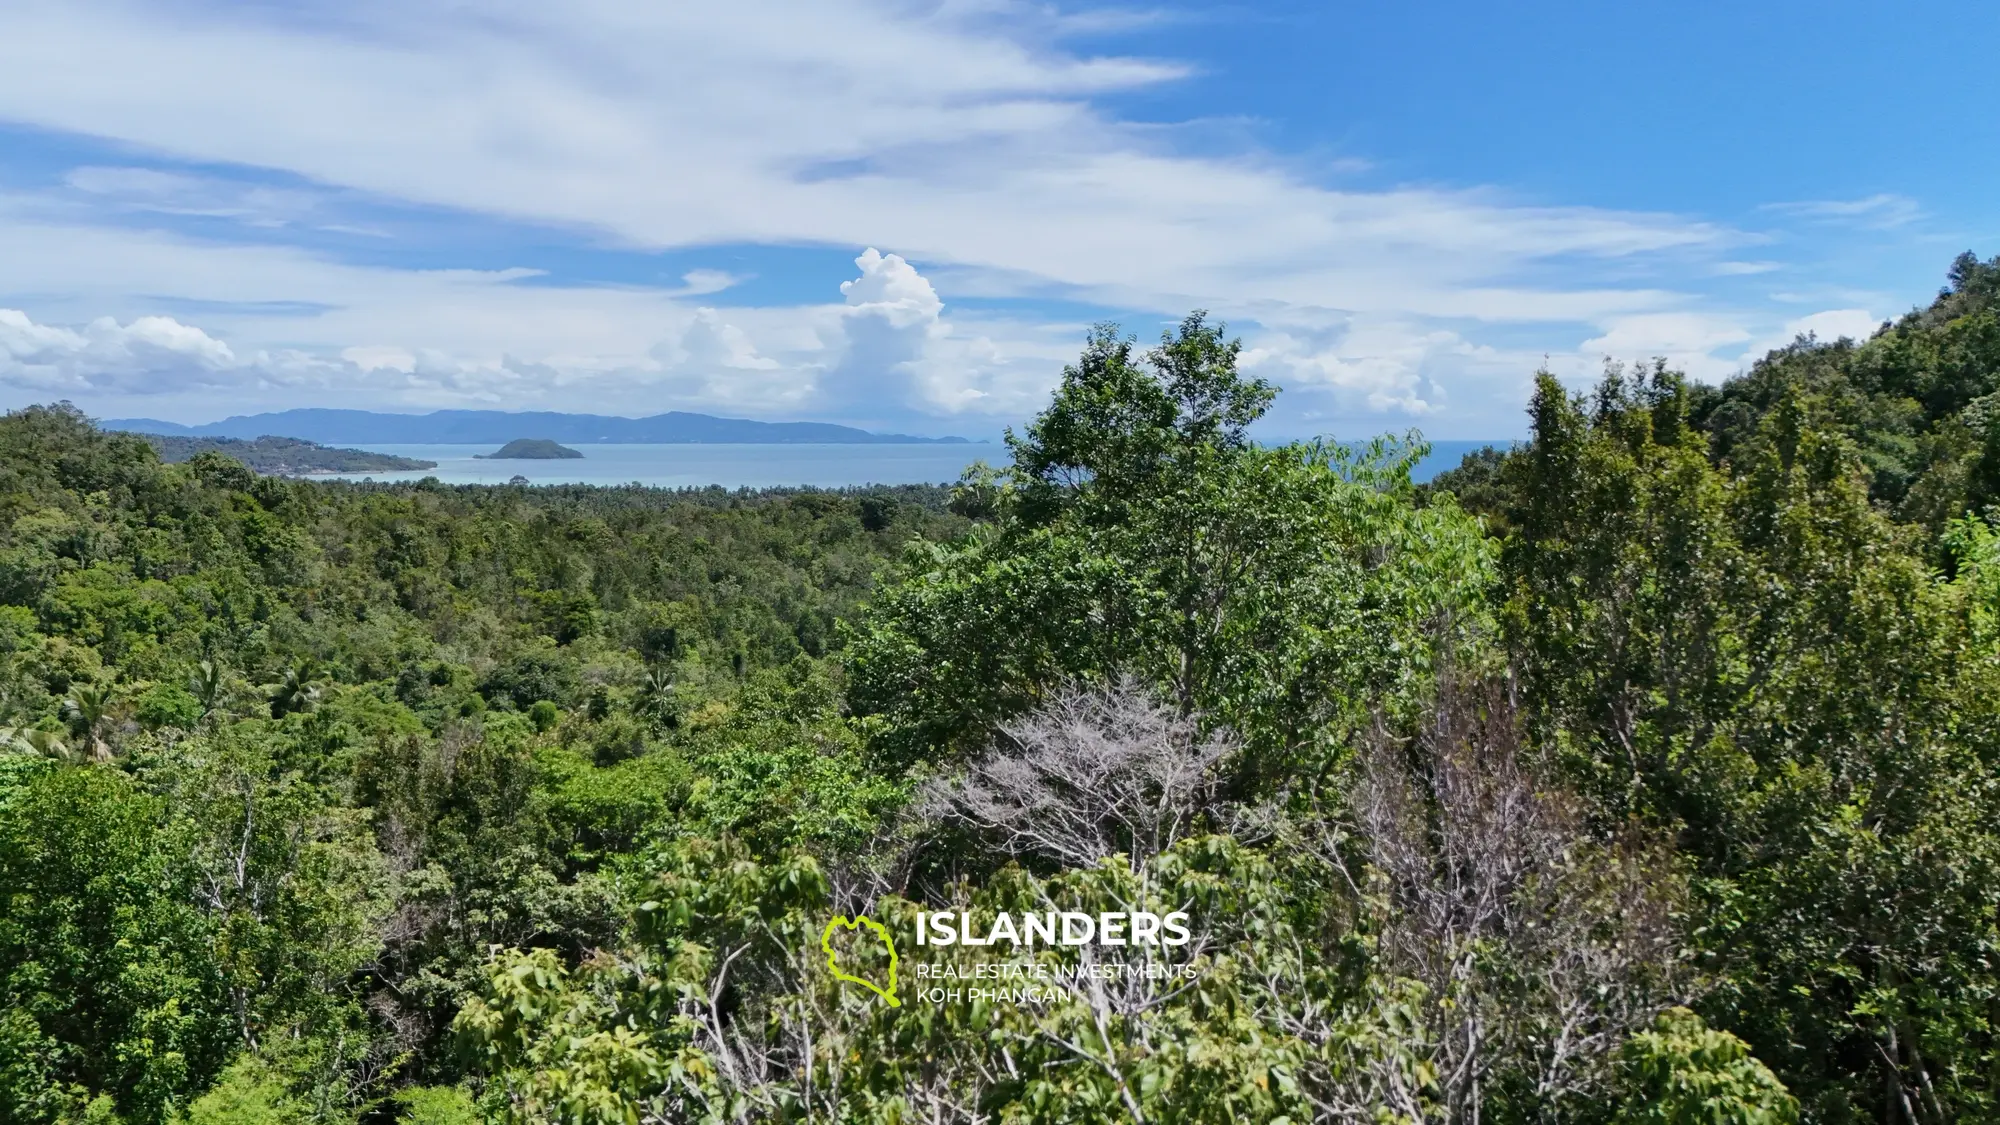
column 1478, row 485
column 619, row 1041
column 107, row 971
column 544, row 715
column 290, row 456
column 1684, row 1073
column 338, row 763
column 167, row 705
column 437, row 1105
column 1281, row 591
column 1759, row 658
column 327, row 802
column 250, row 1092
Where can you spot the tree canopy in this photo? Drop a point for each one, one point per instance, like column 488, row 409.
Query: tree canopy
column 1642, row 772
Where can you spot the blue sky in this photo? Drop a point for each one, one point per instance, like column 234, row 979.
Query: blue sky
column 905, row 216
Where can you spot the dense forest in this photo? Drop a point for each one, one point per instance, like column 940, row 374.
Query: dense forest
column 1647, row 772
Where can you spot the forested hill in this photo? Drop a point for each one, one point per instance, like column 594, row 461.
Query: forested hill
column 1919, row 403
column 282, row 456
column 1668, row 793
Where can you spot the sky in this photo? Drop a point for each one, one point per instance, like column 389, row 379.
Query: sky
column 906, row 216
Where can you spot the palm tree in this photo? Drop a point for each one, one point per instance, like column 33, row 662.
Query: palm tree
column 296, row 691
column 656, row 698
column 28, row 740
column 209, row 684
column 88, row 709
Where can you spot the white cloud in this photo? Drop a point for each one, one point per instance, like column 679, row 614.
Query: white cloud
column 716, row 362
column 1826, row 326
column 896, row 344
column 1879, row 212
column 891, row 317
column 1374, row 366
column 173, row 193
column 380, row 357
column 970, row 138
column 883, row 356
column 1855, row 324
column 700, row 283
column 152, row 352
column 1744, row 269
column 959, row 134
column 1678, row 333
column 1687, row 340
column 711, row 343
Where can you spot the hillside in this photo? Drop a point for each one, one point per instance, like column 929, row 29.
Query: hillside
column 484, row 427
column 1918, row 402
column 282, row 456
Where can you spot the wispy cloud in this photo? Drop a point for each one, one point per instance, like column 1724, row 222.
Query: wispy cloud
column 1744, row 269
column 1882, row 211
column 974, row 144
column 699, row 283
column 689, row 124
column 173, row 193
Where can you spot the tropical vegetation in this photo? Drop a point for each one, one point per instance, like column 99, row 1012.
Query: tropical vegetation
column 1648, row 771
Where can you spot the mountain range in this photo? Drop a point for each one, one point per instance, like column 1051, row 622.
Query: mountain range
column 478, row 427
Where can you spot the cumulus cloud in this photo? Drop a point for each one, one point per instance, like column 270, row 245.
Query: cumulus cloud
column 892, row 316
column 151, row 352
column 895, row 346
column 1687, row 340
column 380, row 357
column 883, row 355
column 716, row 362
column 1825, row 326
column 885, row 350
column 1360, row 364
column 710, row 342
column 1834, row 324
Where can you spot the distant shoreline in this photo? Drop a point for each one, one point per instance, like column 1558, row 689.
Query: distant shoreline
column 495, row 427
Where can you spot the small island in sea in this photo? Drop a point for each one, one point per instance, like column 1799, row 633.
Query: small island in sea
column 530, row 449
column 282, row 456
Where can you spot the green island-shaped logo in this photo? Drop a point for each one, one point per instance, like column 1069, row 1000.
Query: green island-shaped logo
column 833, row 958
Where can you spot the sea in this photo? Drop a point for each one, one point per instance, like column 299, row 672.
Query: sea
column 749, row 466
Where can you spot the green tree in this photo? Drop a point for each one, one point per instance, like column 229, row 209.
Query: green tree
column 296, row 691
column 1762, row 662
column 107, row 968
column 1681, row 1072
column 1283, row 591
column 88, row 709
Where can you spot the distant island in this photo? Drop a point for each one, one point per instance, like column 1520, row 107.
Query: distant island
column 281, row 456
column 529, row 449
column 492, row 427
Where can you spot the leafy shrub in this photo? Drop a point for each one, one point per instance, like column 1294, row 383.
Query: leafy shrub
column 167, row 705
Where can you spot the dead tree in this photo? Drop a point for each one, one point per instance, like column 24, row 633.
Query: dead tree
column 1539, row 944
column 1092, row 773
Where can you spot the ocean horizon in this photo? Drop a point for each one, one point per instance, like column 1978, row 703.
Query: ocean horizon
column 748, row 466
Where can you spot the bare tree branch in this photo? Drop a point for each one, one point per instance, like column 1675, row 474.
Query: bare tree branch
column 1092, row 773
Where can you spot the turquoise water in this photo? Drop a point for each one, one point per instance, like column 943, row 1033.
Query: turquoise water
column 748, row 466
